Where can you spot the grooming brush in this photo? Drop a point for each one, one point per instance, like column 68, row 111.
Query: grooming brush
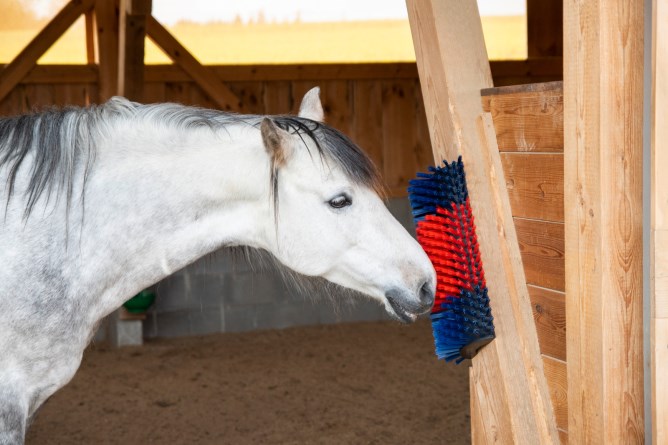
column 461, row 317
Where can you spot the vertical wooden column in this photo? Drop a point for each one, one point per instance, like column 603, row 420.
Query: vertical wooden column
column 132, row 34
column 603, row 116
column 106, row 19
column 545, row 28
column 659, row 223
column 509, row 395
column 90, row 36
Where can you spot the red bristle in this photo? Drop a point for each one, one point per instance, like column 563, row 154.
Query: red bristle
column 449, row 240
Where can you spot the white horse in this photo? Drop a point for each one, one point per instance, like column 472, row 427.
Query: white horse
column 101, row 202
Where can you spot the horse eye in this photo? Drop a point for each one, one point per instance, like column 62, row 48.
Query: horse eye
column 340, row 202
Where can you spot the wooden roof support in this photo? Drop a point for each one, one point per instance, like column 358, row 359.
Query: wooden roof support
column 603, row 118
column 545, row 28
column 106, row 19
column 510, row 402
column 132, row 33
column 659, row 223
column 90, row 37
column 15, row 71
column 204, row 77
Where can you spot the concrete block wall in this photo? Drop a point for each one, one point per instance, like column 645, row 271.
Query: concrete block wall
column 221, row 293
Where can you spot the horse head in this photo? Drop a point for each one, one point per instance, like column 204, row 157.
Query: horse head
column 330, row 218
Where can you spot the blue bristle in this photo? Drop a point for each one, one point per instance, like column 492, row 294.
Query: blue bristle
column 442, row 186
column 463, row 320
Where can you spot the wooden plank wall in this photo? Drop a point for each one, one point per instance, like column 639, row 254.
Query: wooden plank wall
column 528, row 121
column 378, row 105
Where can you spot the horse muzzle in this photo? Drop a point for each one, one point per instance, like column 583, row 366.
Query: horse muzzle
column 406, row 306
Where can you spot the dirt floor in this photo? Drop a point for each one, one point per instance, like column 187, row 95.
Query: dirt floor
column 363, row 383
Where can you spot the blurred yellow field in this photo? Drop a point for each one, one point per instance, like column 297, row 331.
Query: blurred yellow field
column 334, row 42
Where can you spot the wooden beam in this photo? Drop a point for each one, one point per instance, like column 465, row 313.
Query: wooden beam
column 603, row 115
column 508, row 381
column 545, row 28
column 90, row 37
column 659, row 223
column 26, row 59
column 204, row 77
column 106, row 19
column 132, row 34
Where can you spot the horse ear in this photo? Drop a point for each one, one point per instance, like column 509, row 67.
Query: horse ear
column 311, row 108
column 276, row 141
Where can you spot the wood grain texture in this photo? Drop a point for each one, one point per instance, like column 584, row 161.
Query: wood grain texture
column 535, row 184
column 555, row 371
column 368, row 119
column 74, row 94
column 12, row 74
column 250, row 95
column 132, row 34
column 603, row 97
column 528, row 121
column 277, row 97
column 488, row 424
column 659, row 223
column 399, row 139
column 453, row 67
column 542, row 248
column 659, row 348
column 545, row 28
column 107, row 22
column 337, row 102
column 549, row 312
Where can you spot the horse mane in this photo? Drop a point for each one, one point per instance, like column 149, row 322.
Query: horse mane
column 60, row 142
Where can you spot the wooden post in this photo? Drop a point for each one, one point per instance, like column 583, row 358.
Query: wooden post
column 509, row 395
column 545, row 28
column 106, row 19
column 132, row 33
column 90, row 37
column 603, row 118
column 659, row 223
column 15, row 71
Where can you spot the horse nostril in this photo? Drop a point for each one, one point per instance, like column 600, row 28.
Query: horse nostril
column 426, row 294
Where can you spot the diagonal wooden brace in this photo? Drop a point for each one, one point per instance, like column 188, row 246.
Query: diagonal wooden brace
column 509, row 394
column 18, row 68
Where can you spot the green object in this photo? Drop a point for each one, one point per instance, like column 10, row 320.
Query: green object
column 140, row 302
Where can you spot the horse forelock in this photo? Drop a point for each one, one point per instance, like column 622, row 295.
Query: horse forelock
column 337, row 147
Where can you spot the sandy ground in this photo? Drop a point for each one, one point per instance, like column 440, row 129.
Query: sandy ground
column 363, row 383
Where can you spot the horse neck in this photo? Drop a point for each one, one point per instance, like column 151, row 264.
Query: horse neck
column 161, row 198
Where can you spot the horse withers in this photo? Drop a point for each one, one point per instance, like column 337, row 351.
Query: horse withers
column 101, row 202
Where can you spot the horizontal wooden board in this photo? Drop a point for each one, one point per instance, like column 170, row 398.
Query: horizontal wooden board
column 555, row 373
column 527, row 121
column 557, row 86
column 542, row 249
column 535, row 183
column 504, row 72
column 549, row 313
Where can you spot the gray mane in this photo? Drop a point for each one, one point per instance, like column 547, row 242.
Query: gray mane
column 60, row 142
